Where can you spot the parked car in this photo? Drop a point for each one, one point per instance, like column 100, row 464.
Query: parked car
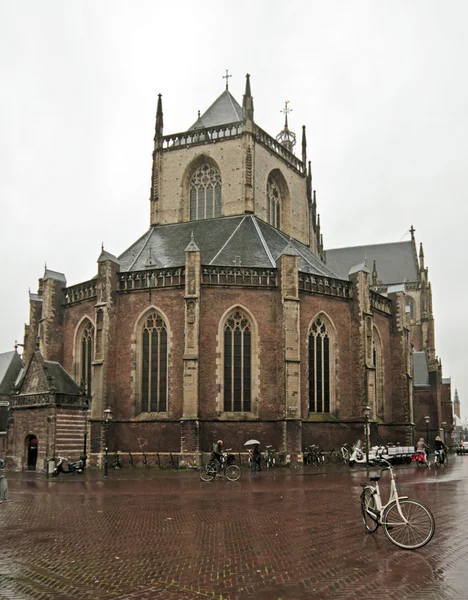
column 462, row 448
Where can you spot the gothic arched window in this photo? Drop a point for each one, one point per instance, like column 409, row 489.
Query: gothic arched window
column 205, row 193
column 409, row 306
column 85, row 356
column 273, row 203
column 237, row 363
column 154, row 364
column 377, row 361
column 319, row 368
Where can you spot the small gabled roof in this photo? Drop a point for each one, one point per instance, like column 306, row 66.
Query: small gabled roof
column 395, row 262
column 224, row 109
column 10, row 365
column 43, row 376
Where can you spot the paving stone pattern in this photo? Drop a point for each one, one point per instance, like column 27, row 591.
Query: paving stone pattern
column 291, row 534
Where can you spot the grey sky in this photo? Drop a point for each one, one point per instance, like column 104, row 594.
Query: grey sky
column 381, row 87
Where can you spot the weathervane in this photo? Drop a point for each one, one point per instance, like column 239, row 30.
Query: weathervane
column 226, row 77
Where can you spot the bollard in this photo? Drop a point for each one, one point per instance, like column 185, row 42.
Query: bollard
column 3, row 489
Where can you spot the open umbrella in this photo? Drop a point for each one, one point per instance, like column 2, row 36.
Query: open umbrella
column 251, row 443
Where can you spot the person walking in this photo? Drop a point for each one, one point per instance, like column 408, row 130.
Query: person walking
column 256, row 458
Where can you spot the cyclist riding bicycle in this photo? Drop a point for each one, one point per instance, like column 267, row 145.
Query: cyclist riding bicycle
column 216, row 453
column 439, row 445
column 422, row 447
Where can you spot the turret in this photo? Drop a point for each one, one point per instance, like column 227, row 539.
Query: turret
column 286, row 137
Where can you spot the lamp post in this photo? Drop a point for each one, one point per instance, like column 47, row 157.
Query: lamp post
column 427, row 419
column 366, row 412
column 108, row 414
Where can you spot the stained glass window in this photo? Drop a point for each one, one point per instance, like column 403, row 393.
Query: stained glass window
column 205, row 193
column 273, row 203
column 237, row 363
column 154, row 365
column 86, row 358
column 319, row 368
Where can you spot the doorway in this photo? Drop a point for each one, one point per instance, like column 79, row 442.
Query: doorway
column 31, row 449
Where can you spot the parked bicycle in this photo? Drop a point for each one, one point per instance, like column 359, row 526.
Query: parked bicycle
column 440, row 458
column 313, row 456
column 408, row 524
column 269, row 457
column 2, row 464
column 228, row 468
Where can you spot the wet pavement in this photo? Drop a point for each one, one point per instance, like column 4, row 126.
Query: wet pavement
column 291, row 533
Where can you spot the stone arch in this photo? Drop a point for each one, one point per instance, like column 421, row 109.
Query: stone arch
column 197, row 162
column 83, row 354
column 279, row 180
column 137, row 352
column 322, row 365
column 254, row 380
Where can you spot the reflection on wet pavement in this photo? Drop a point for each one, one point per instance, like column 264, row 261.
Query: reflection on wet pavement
column 270, row 536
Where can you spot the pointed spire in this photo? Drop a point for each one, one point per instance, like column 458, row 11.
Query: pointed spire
column 375, row 279
column 192, row 246
column 158, row 134
column 304, row 145
column 309, row 183
column 421, row 256
column 412, row 231
column 247, row 104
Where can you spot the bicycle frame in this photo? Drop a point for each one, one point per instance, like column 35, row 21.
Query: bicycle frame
column 393, row 497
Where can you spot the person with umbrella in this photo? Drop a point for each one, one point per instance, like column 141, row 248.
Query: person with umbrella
column 256, row 454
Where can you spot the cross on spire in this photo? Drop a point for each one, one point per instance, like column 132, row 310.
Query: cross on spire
column 286, row 110
column 226, row 77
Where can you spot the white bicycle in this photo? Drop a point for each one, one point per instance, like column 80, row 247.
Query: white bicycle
column 407, row 523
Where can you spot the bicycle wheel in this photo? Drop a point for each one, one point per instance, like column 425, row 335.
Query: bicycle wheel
column 233, row 473
column 437, row 461
column 207, row 473
column 412, row 530
column 309, row 460
column 368, row 502
column 445, row 461
column 335, row 457
column 345, row 455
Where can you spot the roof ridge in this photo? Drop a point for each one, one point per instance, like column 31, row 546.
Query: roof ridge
column 369, row 245
column 228, row 240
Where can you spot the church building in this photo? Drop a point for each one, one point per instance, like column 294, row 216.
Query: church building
column 226, row 319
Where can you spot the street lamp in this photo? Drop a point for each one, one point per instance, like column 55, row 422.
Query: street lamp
column 108, row 414
column 366, row 412
column 427, row 419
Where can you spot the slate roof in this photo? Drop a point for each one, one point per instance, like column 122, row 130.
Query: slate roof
column 254, row 242
column 420, row 369
column 10, row 365
column 395, row 262
column 224, row 109
column 61, row 379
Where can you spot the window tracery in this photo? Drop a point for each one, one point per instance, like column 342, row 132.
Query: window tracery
column 205, row 193
column 154, row 364
column 237, row 363
column 273, row 202
column 86, row 357
column 319, row 368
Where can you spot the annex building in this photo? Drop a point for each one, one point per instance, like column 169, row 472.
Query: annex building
column 227, row 318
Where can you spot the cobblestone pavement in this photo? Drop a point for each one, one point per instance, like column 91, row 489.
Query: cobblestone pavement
column 271, row 536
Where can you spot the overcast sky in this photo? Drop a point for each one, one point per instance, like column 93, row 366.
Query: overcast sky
column 381, row 86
